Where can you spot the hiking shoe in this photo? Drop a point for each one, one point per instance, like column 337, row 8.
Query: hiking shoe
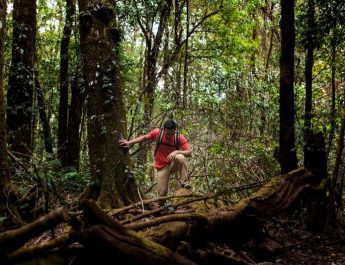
column 186, row 185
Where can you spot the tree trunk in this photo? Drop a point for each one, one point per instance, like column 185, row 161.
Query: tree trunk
column 331, row 217
column 64, row 81
column 4, row 168
column 309, row 62
column 151, row 56
column 21, row 82
column 333, row 109
column 288, row 159
column 110, row 164
column 43, row 115
column 74, row 123
column 186, row 61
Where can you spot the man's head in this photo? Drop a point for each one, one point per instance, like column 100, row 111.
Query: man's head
column 170, row 124
column 169, row 127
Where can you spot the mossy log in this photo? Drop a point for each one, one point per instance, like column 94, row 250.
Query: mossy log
column 110, row 240
column 236, row 224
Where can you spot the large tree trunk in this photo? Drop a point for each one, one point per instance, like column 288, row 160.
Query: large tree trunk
column 64, row 81
column 288, row 159
column 110, row 164
column 21, row 82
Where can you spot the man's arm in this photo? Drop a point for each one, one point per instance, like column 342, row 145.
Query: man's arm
column 187, row 152
column 139, row 139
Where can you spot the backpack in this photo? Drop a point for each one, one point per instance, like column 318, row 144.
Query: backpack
column 160, row 137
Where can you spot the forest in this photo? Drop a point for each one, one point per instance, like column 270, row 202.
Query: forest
column 256, row 87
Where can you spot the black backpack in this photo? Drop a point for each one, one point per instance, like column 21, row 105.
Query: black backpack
column 160, row 137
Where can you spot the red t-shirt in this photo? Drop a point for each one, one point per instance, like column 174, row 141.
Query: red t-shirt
column 165, row 147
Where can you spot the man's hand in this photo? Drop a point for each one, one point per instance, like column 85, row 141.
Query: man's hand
column 124, row 143
column 172, row 155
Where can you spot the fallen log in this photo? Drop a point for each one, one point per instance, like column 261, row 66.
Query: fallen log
column 110, row 240
column 11, row 240
column 54, row 252
column 236, row 224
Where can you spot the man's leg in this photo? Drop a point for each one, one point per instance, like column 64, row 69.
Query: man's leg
column 179, row 165
column 163, row 180
column 163, row 176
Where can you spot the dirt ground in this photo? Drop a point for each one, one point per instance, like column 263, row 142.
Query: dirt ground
column 302, row 247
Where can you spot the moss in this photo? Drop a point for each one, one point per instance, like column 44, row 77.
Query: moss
column 150, row 245
column 268, row 189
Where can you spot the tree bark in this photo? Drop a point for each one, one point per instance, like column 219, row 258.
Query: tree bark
column 186, row 61
column 309, row 62
column 288, row 158
column 110, row 164
column 43, row 115
column 4, row 167
column 153, row 43
column 64, row 84
column 21, row 81
column 331, row 217
column 333, row 85
column 74, row 123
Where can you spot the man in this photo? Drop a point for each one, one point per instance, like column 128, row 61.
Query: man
column 168, row 159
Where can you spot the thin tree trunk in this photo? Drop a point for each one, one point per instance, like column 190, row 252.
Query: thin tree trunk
column 64, row 81
column 185, row 70
column 74, row 123
column 21, row 81
column 263, row 109
column 4, row 168
column 309, row 62
column 333, row 109
column 331, row 217
column 288, row 158
column 151, row 56
column 43, row 115
column 166, row 80
column 178, row 78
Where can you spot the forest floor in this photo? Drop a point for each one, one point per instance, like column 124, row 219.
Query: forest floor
column 301, row 247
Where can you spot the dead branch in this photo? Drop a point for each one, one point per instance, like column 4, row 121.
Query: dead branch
column 13, row 239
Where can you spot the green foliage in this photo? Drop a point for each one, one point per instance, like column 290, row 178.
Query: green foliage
column 231, row 110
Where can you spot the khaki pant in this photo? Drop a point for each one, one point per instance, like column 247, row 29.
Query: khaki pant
column 177, row 165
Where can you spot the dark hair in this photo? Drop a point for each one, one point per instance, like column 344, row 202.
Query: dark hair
column 170, row 124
